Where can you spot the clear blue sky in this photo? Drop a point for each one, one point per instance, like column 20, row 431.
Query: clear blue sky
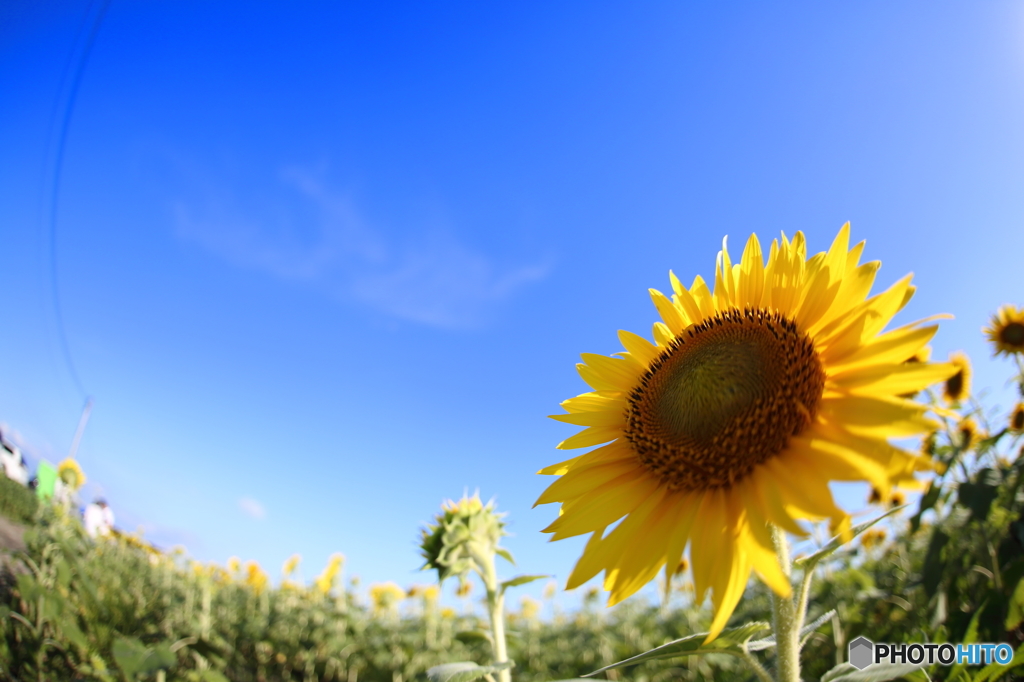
column 336, row 261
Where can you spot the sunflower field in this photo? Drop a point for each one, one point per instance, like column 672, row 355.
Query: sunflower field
column 717, row 444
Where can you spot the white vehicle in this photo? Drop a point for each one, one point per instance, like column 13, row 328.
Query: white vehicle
column 13, row 463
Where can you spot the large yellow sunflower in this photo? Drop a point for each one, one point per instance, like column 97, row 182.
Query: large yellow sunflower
column 1006, row 331
column 752, row 399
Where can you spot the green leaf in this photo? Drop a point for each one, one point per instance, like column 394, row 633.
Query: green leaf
column 730, row 641
column 74, row 635
column 978, row 496
column 809, row 562
column 931, row 574
column 213, row 676
column 464, row 671
column 134, row 658
column 470, row 636
column 993, row 671
column 505, row 554
column 521, row 580
column 1015, row 614
column 876, row 672
column 927, row 502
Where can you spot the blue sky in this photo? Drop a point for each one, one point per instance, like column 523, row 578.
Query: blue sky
column 322, row 266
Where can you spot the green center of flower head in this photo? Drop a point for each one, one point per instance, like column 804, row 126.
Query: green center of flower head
column 725, row 396
column 1013, row 334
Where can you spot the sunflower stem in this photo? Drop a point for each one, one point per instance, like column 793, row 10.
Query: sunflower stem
column 786, row 619
column 496, row 610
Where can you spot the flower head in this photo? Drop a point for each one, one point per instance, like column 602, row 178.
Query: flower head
column 529, row 608
column 750, row 400
column 463, row 536
column 895, row 498
column 967, row 433
column 325, row 581
column 958, row 386
column 872, row 537
column 255, row 577
column 385, row 596
column 1006, row 331
column 1017, row 418
column 290, row 565
column 71, row 473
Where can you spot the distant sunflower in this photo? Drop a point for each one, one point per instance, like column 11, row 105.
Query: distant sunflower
column 752, row 399
column 968, row 433
column 895, row 498
column 70, row 472
column 1006, row 331
column 873, row 537
column 923, row 355
column 1017, row 418
column 958, row 386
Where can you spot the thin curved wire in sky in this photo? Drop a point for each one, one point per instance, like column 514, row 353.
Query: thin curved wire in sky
column 76, row 67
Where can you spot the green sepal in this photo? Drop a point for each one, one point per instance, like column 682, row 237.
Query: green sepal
column 730, row 641
column 809, row 562
column 464, row 671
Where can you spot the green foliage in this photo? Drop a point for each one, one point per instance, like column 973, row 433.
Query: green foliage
column 17, row 502
column 112, row 610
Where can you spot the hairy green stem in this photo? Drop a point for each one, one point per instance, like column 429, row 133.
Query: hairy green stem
column 755, row 665
column 496, row 610
column 786, row 619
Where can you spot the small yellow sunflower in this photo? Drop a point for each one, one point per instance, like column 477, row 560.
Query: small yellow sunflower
column 529, row 608
column 325, row 581
column 752, row 398
column 255, row 577
column 290, row 565
column 1006, row 331
column 385, row 596
column 967, row 433
column 895, row 498
column 70, row 472
column 923, row 355
column 1017, row 418
column 872, row 537
column 958, row 386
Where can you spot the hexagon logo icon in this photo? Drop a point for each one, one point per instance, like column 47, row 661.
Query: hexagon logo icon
column 861, row 652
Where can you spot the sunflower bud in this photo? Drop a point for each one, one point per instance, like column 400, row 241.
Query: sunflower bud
column 464, row 536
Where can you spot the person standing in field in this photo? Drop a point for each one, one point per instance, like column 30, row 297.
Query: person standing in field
column 98, row 518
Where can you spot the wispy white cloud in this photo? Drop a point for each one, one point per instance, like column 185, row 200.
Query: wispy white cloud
column 319, row 237
column 252, row 508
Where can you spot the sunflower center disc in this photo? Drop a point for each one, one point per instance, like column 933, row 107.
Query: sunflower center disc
column 1013, row 334
column 725, row 396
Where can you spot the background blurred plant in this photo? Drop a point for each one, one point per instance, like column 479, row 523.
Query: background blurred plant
column 464, row 539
